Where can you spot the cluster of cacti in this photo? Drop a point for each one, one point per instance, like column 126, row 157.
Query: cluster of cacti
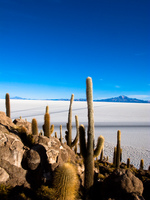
column 69, row 126
column 87, row 148
column 65, row 183
column 7, row 104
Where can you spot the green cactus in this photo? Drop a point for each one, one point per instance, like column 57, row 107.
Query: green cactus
column 61, row 139
column 56, row 135
column 118, row 153
column 88, row 159
column 7, row 104
column 65, row 183
column 87, row 149
column 128, row 163
column 69, row 126
column 142, row 164
column 34, row 127
column 46, row 126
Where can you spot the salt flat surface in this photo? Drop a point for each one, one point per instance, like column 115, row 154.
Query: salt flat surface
column 133, row 119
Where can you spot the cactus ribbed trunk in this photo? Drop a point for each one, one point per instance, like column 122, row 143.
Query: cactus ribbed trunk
column 69, row 138
column 118, row 149
column 7, row 102
column 89, row 161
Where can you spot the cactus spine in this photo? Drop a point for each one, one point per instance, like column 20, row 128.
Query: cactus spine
column 7, row 103
column 65, row 183
column 34, row 127
column 118, row 153
column 69, row 126
column 87, row 149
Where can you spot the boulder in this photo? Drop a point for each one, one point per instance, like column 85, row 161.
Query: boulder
column 122, row 184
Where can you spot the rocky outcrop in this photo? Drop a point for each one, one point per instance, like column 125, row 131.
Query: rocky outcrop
column 24, row 165
column 122, row 184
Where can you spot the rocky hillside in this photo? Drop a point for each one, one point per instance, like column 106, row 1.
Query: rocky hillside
column 28, row 165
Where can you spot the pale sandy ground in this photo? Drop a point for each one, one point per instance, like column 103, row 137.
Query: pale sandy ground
column 132, row 119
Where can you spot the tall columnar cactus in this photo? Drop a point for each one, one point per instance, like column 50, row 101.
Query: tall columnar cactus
column 34, row 127
column 87, row 148
column 65, row 183
column 118, row 154
column 7, row 104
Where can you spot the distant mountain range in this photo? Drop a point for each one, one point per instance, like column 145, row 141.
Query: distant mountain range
column 122, row 98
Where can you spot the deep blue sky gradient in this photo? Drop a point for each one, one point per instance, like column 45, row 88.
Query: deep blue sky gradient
column 49, row 47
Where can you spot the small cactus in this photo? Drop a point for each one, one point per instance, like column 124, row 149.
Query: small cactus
column 142, row 164
column 56, row 135
column 7, row 104
column 46, row 126
column 65, row 183
column 128, row 163
column 34, row 127
column 61, row 139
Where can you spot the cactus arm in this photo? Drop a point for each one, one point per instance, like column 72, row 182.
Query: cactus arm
column 77, row 135
column 69, row 139
column 99, row 147
column 51, row 129
column 82, row 140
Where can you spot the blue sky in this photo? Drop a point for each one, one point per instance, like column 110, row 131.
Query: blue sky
column 49, row 47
